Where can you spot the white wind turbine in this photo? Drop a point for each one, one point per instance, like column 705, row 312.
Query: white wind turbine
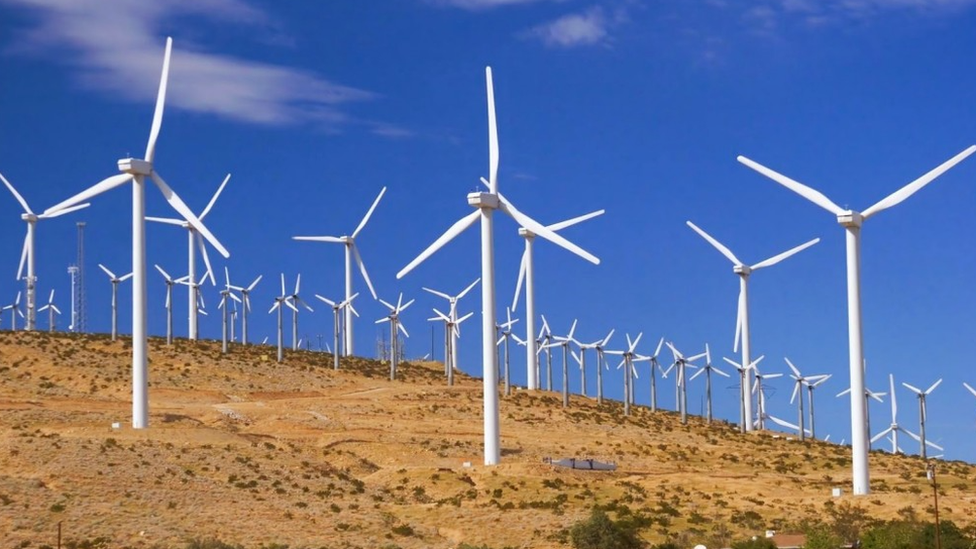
column 296, row 300
column 759, row 388
column 115, row 280
column 169, row 304
column 868, row 394
column 564, row 341
column 27, row 253
column 810, row 387
column 969, row 387
column 744, row 397
column 545, row 334
column 51, row 308
column 136, row 170
column 194, row 239
column 337, row 308
column 681, row 362
column 452, row 314
column 14, row 309
column 799, row 381
column 894, row 428
column 282, row 301
column 581, row 360
column 486, row 203
column 627, row 363
column 742, row 332
column 655, row 367
column 226, row 293
column 923, row 414
column 851, row 221
column 451, row 334
column 601, row 364
column 527, row 271
column 707, row 369
column 394, row 319
column 506, row 334
column 352, row 254
column 246, row 305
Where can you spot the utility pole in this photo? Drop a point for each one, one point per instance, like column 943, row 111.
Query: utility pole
column 935, row 494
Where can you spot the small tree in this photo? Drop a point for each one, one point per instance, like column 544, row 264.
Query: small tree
column 754, row 543
column 599, row 532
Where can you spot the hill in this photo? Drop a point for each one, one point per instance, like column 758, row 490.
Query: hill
column 250, row 451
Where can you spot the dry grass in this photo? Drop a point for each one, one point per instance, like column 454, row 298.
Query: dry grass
column 253, row 452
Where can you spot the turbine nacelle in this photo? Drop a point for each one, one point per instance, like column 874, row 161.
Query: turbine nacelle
column 483, row 200
column 850, row 219
column 742, row 270
column 135, row 166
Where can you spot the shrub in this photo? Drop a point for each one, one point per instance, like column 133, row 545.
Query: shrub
column 599, row 532
column 754, row 543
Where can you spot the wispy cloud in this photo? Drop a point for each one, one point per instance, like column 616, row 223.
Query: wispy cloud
column 116, row 46
column 587, row 28
column 484, row 4
column 767, row 15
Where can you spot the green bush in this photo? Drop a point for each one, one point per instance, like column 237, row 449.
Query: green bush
column 210, row 543
column 754, row 543
column 599, row 532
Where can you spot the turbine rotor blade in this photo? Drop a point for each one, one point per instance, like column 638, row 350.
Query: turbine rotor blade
column 492, row 135
column 213, row 200
column 449, row 235
column 539, row 230
column 903, row 193
column 177, row 204
column 570, row 222
column 810, row 194
column 715, row 244
column 160, row 104
column 777, row 258
column 368, row 213
column 102, row 186
column 16, row 195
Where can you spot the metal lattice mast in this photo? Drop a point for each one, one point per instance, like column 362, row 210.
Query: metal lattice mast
column 80, row 322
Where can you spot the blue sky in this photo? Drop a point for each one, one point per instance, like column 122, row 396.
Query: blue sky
column 639, row 108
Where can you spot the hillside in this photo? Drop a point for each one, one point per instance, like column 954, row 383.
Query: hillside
column 253, row 452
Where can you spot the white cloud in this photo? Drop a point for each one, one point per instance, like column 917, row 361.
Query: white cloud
column 578, row 29
column 116, row 46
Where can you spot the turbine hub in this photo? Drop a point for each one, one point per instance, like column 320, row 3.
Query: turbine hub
column 525, row 233
column 483, row 200
column 742, row 270
column 850, row 219
column 135, row 166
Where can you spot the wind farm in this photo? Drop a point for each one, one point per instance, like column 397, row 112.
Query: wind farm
column 512, row 143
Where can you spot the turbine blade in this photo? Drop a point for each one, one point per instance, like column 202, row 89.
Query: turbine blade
column 696, row 374
column 796, row 389
column 720, row 372
column 166, row 220
column 213, row 200
column 290, row 305
column 16, row 194
column 255, row 283
column 106, row 184
column 492, row 135
column 738, row 322
column 368, row 213
column 177, row 204
column 518, row 284
column 468, row 289
column 23, row 257
column 402, row 329
column 536, row 228
column 435, row 292
column 64, row 211
column 812, row 195
column 160, row 104
column 715, row 244
column 449, row 235
column 319, row 239
column 792, row 367
column 206, row 260
column 967, row 386
column 108, row 272
column 927, row 391
column 283, row 290
column 125, row 277
column 326, row 300
column 570, row 222
column 777, row 258
column 903, row 193
column 912, row 388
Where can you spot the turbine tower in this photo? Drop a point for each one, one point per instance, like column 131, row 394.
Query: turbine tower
column 352, row 254
column 136, row 170
column 851, row 221
column 486, row 204
column 742, row 332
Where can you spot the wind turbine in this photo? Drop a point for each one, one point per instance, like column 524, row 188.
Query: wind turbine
column 744, row 395
column 352, row 253
column 894, row 428
column 742, row 314
column 246, row 305
column 51, row 308
column 600, row 364
column 506, row 333
column 226, row 293
column 759, row 388
column 283, row 300
column 581, row 360
column 707, row 369
column 337, row 308
column 169, row 304
column 851, row 221
column 799, row 381
column 296, row 300
column 450, row 351
column 867, row 415
column 136, row 170
column 681, row 362
column 922, row 414
column 655, row 365
column 14, row 309
column 486, row 203
column 545, row 334
column 810, row 387
column 115, row 280
column 452, row 314
column 527, row 271
column 627, row 363
column 394, row 319
column 194, row 239
column 27, row 254
column 564, row 341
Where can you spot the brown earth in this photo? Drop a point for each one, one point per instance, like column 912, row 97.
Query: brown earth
column 250, row 451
